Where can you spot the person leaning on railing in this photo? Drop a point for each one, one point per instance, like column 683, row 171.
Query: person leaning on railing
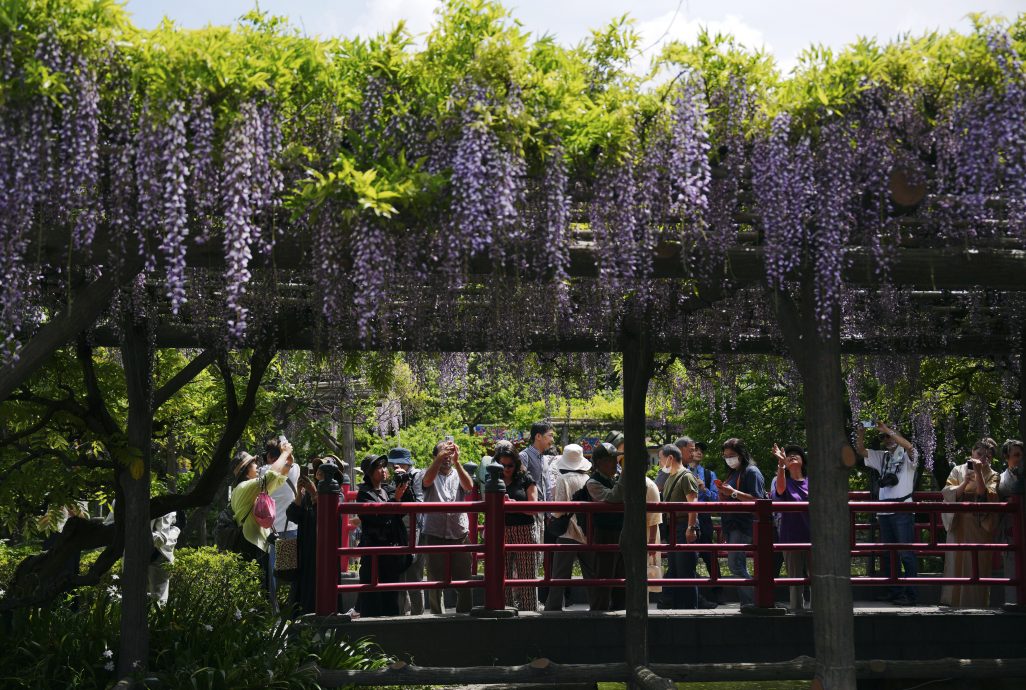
column 1010, row 483
column 744, row 483
column 973, row 481
column 896, row 463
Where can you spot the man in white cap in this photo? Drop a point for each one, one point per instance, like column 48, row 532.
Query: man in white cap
column 571, row 475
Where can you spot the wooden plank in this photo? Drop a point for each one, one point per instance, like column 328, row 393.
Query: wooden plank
column 545, row 671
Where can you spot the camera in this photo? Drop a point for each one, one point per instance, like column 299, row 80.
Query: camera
column 401, row 478
column 889, row 479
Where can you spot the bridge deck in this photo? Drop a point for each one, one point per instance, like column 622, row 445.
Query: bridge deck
column 721, row 635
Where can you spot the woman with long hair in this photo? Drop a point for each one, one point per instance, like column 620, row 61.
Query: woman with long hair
column 519, row 526
column 744, row 483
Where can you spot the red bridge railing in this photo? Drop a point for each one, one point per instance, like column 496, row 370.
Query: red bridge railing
column 334, row 550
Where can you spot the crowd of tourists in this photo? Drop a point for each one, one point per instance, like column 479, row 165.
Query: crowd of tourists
column 689, row 472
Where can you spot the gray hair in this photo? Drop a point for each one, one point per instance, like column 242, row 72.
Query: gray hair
column 684, row 442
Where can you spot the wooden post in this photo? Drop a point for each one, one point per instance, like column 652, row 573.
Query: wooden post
column 638, row 360
column 327, row 564
column 817, row 354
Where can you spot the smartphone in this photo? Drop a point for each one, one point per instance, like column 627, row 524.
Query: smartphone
column 867, row 424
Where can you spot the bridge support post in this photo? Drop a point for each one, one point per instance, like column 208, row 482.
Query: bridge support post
column 764, row 574
column 327, row 569
column 495, row 549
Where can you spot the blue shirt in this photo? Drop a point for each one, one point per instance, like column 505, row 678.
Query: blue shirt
column 532, row 459
column 709, row 494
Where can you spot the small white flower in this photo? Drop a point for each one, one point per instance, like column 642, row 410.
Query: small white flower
column 109, row 666
column 137, row 665
column 115, row 576
column 2, row 592
column 108, row 654
column 208, row 628
column 253, row 610
column 238, row 615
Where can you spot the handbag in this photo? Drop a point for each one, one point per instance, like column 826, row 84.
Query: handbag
column 286, row 556
column 557, row 527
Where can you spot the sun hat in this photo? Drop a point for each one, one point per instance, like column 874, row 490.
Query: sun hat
column 573, row 459
column 372, row 462
column 242, row 461
column 400, row 456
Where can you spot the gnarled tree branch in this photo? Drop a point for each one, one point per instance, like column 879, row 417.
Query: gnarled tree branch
column 182, row 378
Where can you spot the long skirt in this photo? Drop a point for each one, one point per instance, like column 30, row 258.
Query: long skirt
column 520, row 565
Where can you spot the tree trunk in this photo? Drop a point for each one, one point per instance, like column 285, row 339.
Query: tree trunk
column 1022, row 386
column 134, row 477
column 817, row 355
column 349, row 449
column 637, row 372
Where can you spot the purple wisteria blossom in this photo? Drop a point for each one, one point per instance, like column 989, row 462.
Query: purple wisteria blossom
column 204, row 182
column 175, row 216
column 242, row 203
column 782, row 180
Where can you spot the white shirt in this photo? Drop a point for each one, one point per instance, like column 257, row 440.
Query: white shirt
column 566, row 485
column 282, row 496
column 906, row 477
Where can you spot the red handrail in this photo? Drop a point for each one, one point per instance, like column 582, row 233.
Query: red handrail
column 763, row 547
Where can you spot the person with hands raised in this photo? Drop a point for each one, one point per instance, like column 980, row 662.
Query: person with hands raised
column 792, row 484
column 896, row 462
column 446, row 481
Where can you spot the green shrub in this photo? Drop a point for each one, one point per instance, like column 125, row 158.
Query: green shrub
column 216, row 631
column 10, row 557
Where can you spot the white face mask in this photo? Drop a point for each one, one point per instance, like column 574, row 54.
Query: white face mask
column 732, row 463
column 664, row 469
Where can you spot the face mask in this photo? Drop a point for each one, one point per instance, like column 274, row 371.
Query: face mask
column 664, row 470
column 732, row 463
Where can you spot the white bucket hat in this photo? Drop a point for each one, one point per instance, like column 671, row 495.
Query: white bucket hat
column 573, row 459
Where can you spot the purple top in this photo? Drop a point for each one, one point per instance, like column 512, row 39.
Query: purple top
column 794, row 527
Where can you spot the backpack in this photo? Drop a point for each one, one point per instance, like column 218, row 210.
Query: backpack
column 227, row 532
column 606, row 521
column 264, row 509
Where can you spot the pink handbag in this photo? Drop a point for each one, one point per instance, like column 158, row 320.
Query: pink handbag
column 264, row 508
